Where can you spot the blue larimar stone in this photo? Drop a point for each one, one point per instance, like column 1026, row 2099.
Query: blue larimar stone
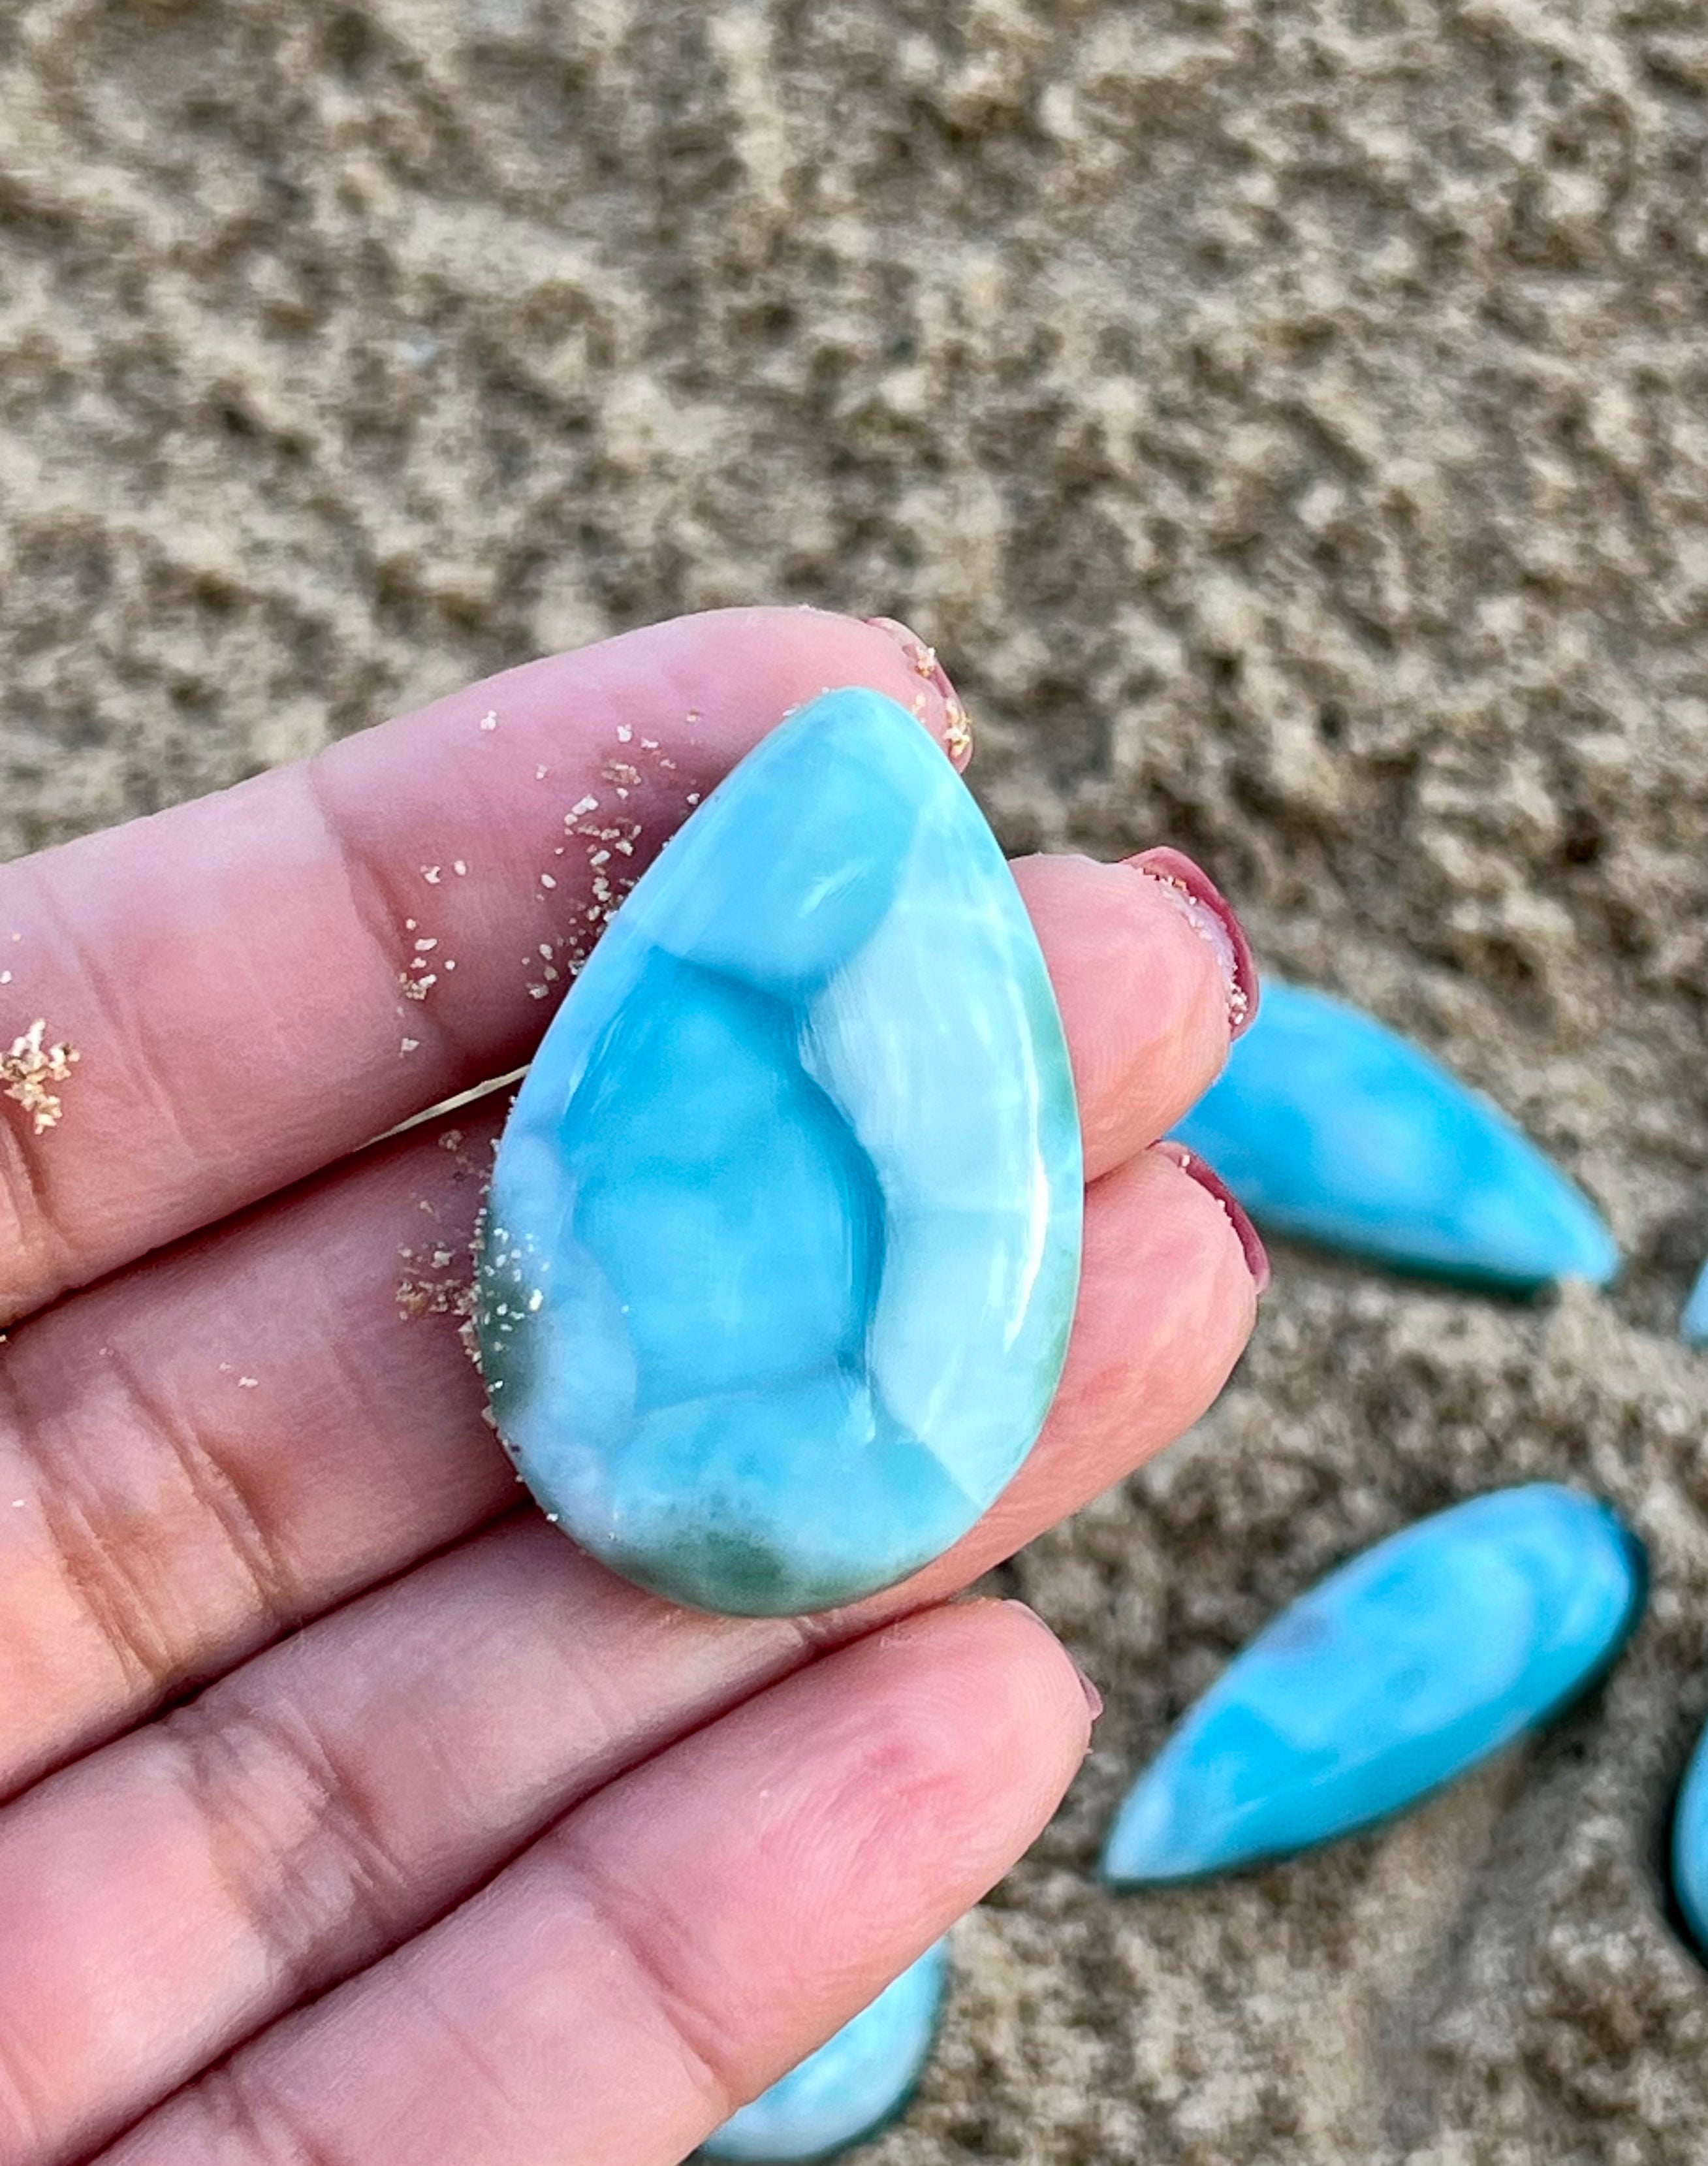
column 1398, row 1672
column 1690, row 1846
column 784, row 1233
column 857, row 2080
column 1331, row 1127
column 1692, row 1324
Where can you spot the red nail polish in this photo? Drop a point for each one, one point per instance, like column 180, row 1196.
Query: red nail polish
column 1214, row 918
column 1205, row 1174
column 922, row 659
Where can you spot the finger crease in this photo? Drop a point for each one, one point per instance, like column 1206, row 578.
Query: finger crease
column 269, row 2131
column 93, row 1569
column 693, row 2030
column 223, row 1502
column 549, row 2136
column 378, row 910
column 277, row 1883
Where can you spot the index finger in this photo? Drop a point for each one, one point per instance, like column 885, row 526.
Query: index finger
column 237, row 991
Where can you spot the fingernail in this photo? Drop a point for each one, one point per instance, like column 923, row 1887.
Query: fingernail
column 922, row 660
column 1094, row 1697
column 1205, row 1174
column 1210, row 913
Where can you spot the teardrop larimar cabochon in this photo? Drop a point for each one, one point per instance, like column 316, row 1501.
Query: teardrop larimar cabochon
column 1331, row 1127
column 783, row 1239
column 1396, row 1673
column 856, row 2081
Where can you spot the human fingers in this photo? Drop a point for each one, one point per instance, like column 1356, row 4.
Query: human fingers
column 333, row 1796
column 260, row 981
column 674, row 1945
column 211, row 1448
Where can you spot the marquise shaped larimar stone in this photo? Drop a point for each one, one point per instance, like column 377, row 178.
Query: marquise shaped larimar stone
column 1331, row 1127
column 1396, row 1673
column 859, row 2078
column 783, row 1239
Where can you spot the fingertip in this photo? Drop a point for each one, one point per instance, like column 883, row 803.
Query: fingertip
column 739, row 672
column 1003, row 1695
column 1212, row 1228
column 1197, row 1168
column 1171, row 1277
column 933, row 697
column 1143, row 996
column 1073, row 1701
column 1017, row 1688
column 1087, row 1691
column 1214, row 920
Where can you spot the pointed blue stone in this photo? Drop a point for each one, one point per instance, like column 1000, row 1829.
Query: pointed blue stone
column 783, row 1239
column 859, row 2078
column 1396, row 1673
column 1331, row 1127
column 1692, row 1324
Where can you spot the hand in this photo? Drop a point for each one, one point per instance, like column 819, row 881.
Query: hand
column 324, row 1751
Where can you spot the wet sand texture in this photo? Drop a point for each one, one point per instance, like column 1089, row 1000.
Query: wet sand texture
column 1289, row 420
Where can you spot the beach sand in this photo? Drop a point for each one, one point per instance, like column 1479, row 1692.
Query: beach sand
column 1289, row 422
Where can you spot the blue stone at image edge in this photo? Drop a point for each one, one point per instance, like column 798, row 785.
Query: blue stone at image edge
column 1331, row 1127
column 1690, row 1846
column 1692, row 1324
column 858, row 2079
column 1399, row 1671
column 783, row 1241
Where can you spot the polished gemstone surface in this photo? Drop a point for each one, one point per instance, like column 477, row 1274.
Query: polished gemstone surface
column 855, row 2080
column 1692, row 1324
column 783, row 1239
column 1398, row 1672
column 1331, row 1127
column 1690, row 1846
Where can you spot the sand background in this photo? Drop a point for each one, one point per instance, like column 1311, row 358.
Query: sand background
column 1290, row 420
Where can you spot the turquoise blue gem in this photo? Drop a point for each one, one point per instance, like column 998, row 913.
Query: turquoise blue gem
column 1396, row 1673
column 856, row 2081
column 1692, row 1324
column 783, row 1239
column 1690, row 1846
column 1331, row 1127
